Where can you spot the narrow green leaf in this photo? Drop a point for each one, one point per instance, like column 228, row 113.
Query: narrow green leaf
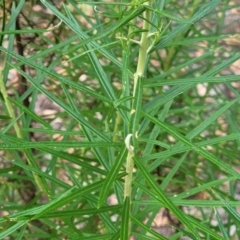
column 177, row 68
column 193, row 203
column 14, row 14
column 5, row 117
column 175, row 91
column 27, row 145
column 12, row 229
column 81, row 212
column 230, row 209
column 204, row 228
column 221, row 225
column 97, row 236
column 71, row 112
column 9, row 169
column 184, row 26
column 112, row 176
column 214, row 116
column 78, row 85
column 114, row 27
column 180, row 81
column 167, row 202
column 30, row 113
column 149, row 230
column 169, row 15
column 74, row 195
column 139, row 236
column 10, row 125
column 43, row 175
column 125, row 231
column 122, row 100
column 23, row 31
column 202, row 187
column 80, row 161
column 179, row 149
column 173, row 171
column 49, row 207
column 194, row 147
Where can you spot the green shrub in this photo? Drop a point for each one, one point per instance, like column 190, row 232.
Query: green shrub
column 124, row 113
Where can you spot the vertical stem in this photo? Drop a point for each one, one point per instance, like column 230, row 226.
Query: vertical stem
column 135, row 110
column 144, row 44
column 129, row 171
column 5, row 96
column 136, row 106
column 3, row 91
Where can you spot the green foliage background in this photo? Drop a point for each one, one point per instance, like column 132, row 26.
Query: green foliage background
column 144, row 121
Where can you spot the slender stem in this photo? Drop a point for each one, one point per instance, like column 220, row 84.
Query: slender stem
column 135, row 109
column 5, row 97
column 129, row 170
column 15, row 125
column 144, row 44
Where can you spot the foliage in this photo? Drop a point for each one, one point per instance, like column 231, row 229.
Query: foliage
column 144, row 120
